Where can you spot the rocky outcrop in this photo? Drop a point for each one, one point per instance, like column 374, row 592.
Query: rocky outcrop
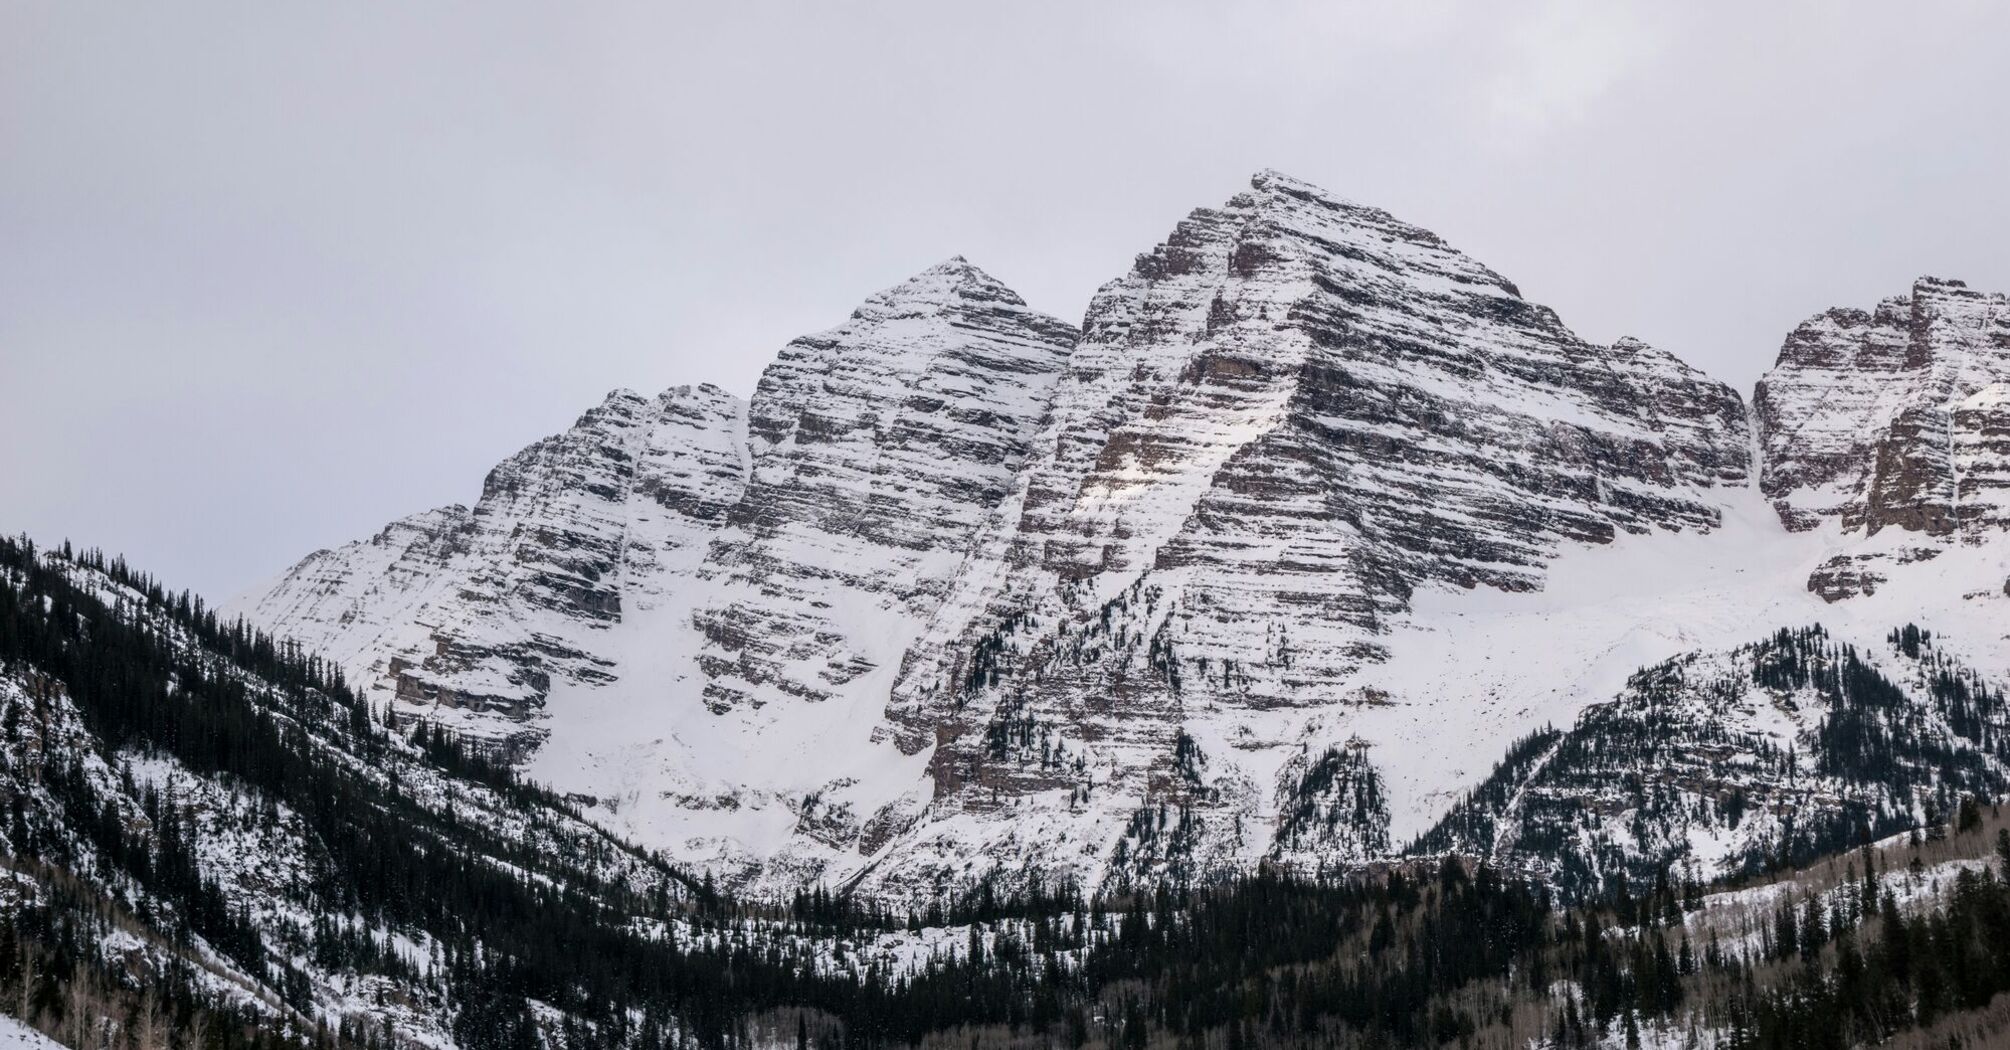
column 1980, row 452
column 1884, row 421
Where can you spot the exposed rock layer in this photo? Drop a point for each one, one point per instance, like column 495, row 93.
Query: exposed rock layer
column 1890, row 420
column 1276, row 427
column 878, row 449
column 474, row 613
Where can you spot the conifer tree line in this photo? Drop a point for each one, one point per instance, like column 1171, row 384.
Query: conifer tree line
column 1429, row 953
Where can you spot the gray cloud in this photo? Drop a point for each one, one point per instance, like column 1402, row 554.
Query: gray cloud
column 271, row 275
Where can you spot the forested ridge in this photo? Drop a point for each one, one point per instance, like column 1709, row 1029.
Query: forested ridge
column 536, row 930
column 1788, row 749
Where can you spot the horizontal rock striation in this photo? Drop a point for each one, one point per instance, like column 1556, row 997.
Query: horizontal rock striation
column 473, row 613
column 1886, row 420
column 878, row 449
column 1277, row 426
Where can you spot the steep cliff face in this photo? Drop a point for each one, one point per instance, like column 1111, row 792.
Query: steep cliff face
column 477, row 612
column 1888, row 423
column 1281, row 423
column 1980, row 442
column 878, row 448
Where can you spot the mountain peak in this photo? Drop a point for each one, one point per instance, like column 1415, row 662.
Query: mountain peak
column 620, row 403
column 1272, row 180
column 700, row 392
column 1264, row 178
column 1276, row 186
column 876, row 445
column 952, row 533
column 952, row 280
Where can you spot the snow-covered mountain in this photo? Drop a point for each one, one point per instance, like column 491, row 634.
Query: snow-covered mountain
column 1895, row 421
column 1282, row 423
column 475, row 614
column 1270, row 560
column 688, row 610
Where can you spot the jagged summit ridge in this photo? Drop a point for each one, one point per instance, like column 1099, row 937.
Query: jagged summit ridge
column 1878, row 421
column 960, row 534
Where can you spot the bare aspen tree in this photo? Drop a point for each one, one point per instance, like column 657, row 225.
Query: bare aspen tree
column 31, row 972
column 78, row 1015
column 195, row 1035
column 150, row 1027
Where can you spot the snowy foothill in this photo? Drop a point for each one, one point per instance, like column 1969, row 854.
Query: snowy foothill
column 15, row 1035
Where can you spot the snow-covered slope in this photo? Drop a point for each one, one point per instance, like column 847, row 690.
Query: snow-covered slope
column 474, row 614
column 1271, row 560
column 689, row 611
column 204, row 830
column 15, row 1035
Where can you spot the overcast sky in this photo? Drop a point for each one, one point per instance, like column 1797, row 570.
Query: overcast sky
column 274, row 274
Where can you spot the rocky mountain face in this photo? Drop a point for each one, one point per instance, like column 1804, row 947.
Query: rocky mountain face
column 1891, row 422
column 1268, row 561
column 879, row 448
column 475, row 613
column 1283, row 421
